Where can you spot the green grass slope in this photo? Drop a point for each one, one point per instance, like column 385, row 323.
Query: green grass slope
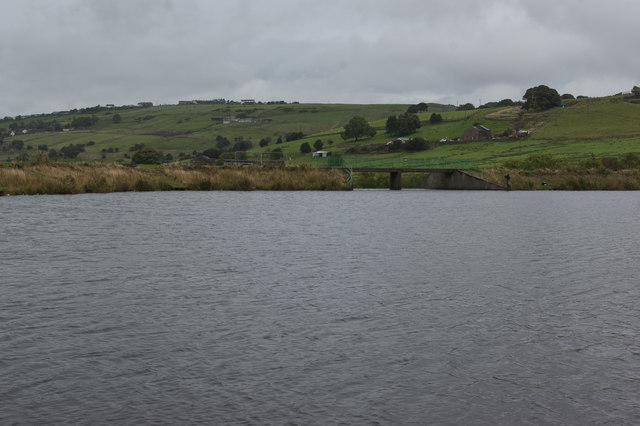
column 600, row 126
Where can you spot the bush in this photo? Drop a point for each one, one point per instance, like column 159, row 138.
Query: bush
column 136, row 147
column 293, row 136
column 147, row 156
column 416, row 144
column 305, row 148
column 212, row 153
column 631, row 161
column 17, row 144
column 264, row 142
column 81, row 122
column 402, row 125
column 241, row 145
column 71, row 151
column 591, row 163
column 611, row 163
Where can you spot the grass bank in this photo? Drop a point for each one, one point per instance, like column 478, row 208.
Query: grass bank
column 567, row 179
column 64, row 178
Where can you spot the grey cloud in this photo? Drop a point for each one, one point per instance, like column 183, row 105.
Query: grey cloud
column 72, row 53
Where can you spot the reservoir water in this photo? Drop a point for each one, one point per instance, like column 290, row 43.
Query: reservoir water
column 362, row 307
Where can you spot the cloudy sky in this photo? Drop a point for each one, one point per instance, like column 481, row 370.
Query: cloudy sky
column 62, row 54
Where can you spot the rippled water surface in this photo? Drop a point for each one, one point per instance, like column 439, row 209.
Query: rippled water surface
column 363, row 307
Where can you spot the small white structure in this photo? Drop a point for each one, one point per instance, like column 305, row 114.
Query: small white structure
column 321, row 154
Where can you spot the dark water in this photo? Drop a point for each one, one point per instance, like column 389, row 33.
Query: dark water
column 364, row 307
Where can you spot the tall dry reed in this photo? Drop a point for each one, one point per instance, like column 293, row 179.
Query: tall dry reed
column 64, row 178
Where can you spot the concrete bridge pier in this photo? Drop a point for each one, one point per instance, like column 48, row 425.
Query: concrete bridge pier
column 458, row 179
column 395, row 180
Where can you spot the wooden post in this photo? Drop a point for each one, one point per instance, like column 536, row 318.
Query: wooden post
column 395, row 180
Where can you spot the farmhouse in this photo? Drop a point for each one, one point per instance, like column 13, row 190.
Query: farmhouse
column 477, row 132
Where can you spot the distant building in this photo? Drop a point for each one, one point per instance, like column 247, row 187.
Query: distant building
column 477, row 132
column 248, row 101
column 145, row 104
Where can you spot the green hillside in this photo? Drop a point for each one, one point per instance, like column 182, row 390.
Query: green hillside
column 599, row 126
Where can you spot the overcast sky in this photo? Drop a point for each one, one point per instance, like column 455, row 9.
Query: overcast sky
column 62, row 54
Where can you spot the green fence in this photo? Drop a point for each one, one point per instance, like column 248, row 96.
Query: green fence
column 393, row 163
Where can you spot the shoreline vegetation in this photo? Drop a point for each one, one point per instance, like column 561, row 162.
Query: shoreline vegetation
column 78, row 178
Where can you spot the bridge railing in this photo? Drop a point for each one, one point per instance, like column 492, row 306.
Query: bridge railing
column 393, row 163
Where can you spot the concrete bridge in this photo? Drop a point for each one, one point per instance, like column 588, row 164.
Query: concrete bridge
column 443, row 173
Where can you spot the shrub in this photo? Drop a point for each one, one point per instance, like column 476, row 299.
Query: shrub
column 591, row 163
column 147, row 156
column 71, row 151
column 402, row 125
column 81, row 122
column 136, row 147
column 611, row 163
column 631, row 160
column 416, row 144
column 305, row 148
column 293, row 136
column 212, row 153
column 264, row 142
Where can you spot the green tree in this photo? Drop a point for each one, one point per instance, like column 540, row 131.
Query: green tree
column 293, row 136
column 17, row 144
column 357, row 128
column 421, row 107
column 416, row 144
column 265, row 141
column 466, row 107
column 222, row 142
column 71, row 151
column 435, row 118
column 241, row 145
column 305, row 148
column 212, row 152
column 116, row 119
column 82, row 122
column 318, row 145
column 402, row 125
column 147, row 156
column 541, row 98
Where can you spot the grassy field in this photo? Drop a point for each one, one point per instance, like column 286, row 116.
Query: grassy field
column 599, row 127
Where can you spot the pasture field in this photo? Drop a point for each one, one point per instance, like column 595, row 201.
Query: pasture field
column 584, row 128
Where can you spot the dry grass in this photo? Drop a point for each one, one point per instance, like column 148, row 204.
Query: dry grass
column 65, row 178
column 569, row 179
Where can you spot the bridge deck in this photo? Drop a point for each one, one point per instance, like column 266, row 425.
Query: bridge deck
column 363, row 164
column 400, row 169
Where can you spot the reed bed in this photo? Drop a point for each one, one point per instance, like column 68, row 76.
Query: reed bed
column 64, row 178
